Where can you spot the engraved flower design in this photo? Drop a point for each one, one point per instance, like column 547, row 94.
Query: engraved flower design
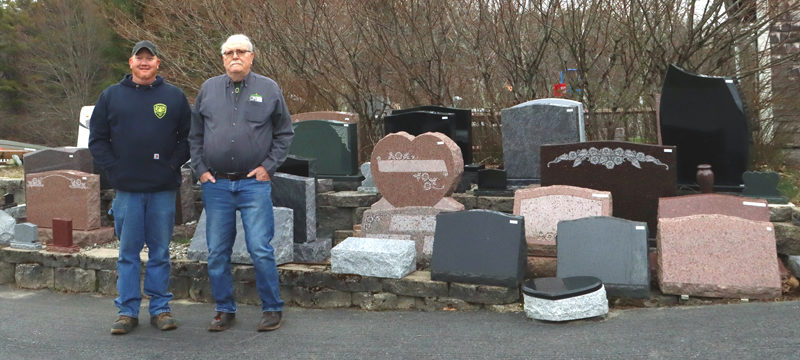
column 607, row 157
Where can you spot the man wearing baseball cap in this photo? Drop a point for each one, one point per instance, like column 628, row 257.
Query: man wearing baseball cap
column 138, row 135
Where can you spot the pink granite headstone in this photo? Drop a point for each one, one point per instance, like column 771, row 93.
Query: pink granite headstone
column 544, row 207
column 63, row 194
column 416, row 171
column 717, row 256
column 746, row 208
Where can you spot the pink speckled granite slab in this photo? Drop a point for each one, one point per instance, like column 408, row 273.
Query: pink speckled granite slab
column 544, row 207
column 417, row 223
column 347, row 117
column 66, row 194
column 416, row 171
column 717, row 256
column 747, row 208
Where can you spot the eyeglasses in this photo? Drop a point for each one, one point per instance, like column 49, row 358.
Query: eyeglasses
column 238, row 52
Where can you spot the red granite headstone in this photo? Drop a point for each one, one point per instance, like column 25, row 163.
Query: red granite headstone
column 63, row 194
column 717, row 256
column 347, row 117
column 746, row 208
column 416, row 171
column 62, row 237
column 636, row 174
column 544, row 207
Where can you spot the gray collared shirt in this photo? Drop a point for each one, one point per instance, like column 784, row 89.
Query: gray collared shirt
column 238, row 132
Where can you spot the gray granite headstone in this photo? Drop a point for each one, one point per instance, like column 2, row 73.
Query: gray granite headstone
column 7, row 223
column 299, row 194
column 479, row 247
column 385, row 258
column 18, row 212
column 26, row 236
column 63, row 158
column 611, row 249
column 577, row 105
column 368, row 185
column 184, row 201
column 764, row 185
column 281, row 241
column 528, row 126
column 557, row 299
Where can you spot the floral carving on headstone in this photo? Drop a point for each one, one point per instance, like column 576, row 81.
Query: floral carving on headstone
column 607, row 157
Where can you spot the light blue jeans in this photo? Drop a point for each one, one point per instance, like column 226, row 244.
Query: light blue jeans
column 252, row 198
column 143, row 218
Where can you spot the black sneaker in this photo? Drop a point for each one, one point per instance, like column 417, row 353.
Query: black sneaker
column 271, row 320
column 164, row 321
column 222, row 321
column 124, row 325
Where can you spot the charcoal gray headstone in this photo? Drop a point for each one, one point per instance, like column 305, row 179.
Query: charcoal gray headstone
column 479, row 247
column 528, row 126
column 469, row 177
column 493, row 182
column 764, row 185
column 611, row 249
column 577, row 105
column 704, row 117
column 332, row 144
column 297, row 165
column 316, row 251
column 281, row 241
column 299, row 194
column 26, row 236
column 63, row 158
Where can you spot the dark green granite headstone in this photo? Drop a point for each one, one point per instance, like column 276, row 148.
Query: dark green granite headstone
column 332, row 144
column 763, row 185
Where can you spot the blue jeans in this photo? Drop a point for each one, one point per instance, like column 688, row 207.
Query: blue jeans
column 143, row 218
column 253, row 200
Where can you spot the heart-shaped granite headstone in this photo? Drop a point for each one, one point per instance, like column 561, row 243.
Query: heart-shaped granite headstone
column 416, row 171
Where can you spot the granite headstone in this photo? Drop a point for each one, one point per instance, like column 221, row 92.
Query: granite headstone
column 298, row 166
column 764, row 185
column 611, row 249
column 463, row 126
column 717, row 256
column 62, row 237
column 332, row 144
column 704, row 117
column 528, row 126
column 26, row 236
column 368, row 184
column 299, row 194
column 721, row 204
column 544, row 207
column 636, row 174
column 342, row 116
column 65, row 194
column 281, row 241
column 479, row 247
column 7, row 223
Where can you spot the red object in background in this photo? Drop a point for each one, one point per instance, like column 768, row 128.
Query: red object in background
column 559, row 90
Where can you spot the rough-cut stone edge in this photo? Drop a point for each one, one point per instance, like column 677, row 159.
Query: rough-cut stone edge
column 584, row 306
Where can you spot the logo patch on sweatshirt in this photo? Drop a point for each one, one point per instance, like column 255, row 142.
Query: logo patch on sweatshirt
column 160, row 110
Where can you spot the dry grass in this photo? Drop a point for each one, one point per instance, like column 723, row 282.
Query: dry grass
column 11, row 171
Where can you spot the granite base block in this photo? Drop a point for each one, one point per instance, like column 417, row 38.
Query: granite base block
column 578, row 307
column 313, row 252
column 374, row 257
column 81, row 238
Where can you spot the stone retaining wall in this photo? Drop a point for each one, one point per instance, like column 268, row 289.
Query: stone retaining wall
column 312, row 286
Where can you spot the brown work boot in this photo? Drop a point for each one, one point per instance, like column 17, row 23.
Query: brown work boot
column 222, row 321
column 124, row 325
column 164, row 321
column 270, row 320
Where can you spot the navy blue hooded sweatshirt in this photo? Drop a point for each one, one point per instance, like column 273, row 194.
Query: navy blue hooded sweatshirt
column 139, row 135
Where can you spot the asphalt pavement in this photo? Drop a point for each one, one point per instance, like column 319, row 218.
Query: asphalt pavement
column 49, row 325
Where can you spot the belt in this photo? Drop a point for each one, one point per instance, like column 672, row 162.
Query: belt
column 230, row 175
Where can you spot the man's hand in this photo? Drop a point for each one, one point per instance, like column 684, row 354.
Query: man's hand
column 260, row 173
column 207, row 177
